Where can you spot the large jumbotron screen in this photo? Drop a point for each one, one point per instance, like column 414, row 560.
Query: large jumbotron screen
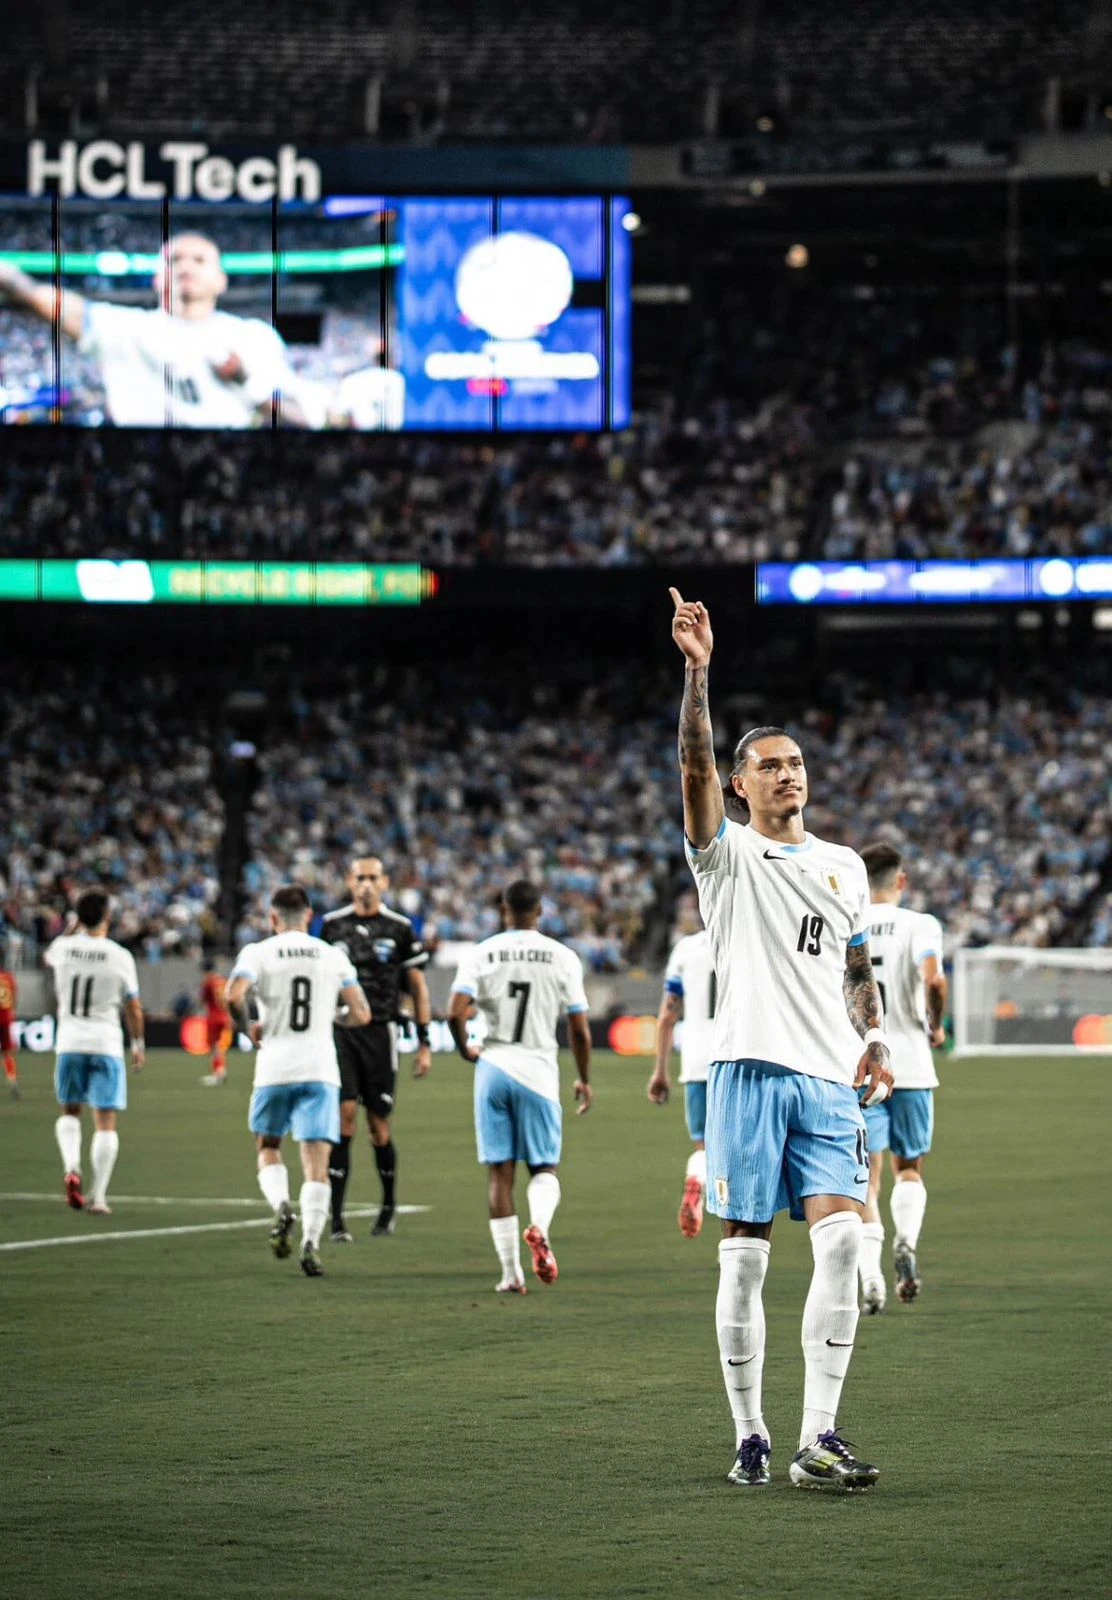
column 358, row 312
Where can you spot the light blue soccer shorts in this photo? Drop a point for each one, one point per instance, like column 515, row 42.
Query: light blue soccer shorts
column 90, row 1080
column 695, row 1109
column 310, row 1111
column 904, row 1123
column 513, row 1123
column 775, row 1136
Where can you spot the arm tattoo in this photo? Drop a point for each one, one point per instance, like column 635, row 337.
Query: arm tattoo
column 696, row 743
column 860, row 990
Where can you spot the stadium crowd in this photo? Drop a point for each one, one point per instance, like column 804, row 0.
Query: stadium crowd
column 107, row 778
column 801, row 445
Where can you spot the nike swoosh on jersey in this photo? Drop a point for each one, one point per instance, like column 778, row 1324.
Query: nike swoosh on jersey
column 770, row 857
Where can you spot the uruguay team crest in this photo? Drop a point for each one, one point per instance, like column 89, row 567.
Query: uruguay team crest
column 833, row 881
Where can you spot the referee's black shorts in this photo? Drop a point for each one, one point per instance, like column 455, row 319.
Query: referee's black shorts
column 369, row 1066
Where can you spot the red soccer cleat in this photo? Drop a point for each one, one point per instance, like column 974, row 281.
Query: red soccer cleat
column 544, row 1262
column 691, row 1209
column 74, row 1197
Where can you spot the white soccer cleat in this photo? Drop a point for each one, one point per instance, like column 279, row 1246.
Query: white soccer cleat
column 874, row 1297
column 511, row 1286
column 99, row 1208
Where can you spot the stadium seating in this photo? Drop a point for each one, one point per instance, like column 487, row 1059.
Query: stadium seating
column 486, row 71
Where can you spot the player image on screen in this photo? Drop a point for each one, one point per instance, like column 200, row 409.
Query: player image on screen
column 906, row 949
column 182, row 363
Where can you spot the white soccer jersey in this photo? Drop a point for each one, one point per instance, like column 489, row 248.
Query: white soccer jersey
column 157, row 370
column 780, row 918
column 690, row 976
column 899, row 942
column 92, row 977
column 523, row 982
column 373, row 399
column 298, row 980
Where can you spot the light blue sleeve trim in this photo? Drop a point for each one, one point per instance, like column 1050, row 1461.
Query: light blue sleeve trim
column 576, row 1011
column 694, row 849
column 131, row 994
column 859, row 939
column 674, row 986
column 923, row 954
column 463, row 988
column 243, row 972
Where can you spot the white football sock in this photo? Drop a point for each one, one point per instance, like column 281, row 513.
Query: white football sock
column 104, row 1150
column 909, row 1201
column 829, row 1320
column 504, row 1232
column 314, row 1201
column 543, row 1195
column 739, row 1315
column 697, row 1166
column 872, row 1243
column 67, row 1131
column 274, row 1181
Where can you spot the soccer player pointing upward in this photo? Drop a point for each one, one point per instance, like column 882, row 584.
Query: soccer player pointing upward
column 787, row 919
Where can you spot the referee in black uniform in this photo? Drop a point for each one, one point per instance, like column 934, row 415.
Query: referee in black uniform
column 387, row 956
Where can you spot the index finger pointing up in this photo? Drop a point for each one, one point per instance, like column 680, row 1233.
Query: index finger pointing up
column 677, row 598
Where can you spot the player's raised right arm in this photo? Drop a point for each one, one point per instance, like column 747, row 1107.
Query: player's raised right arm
column 22, row 292
column 703, row 810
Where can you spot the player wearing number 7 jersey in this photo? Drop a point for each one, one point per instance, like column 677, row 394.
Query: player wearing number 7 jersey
column 299, row 982
column 786, row 915
column 93, row 977
column 522, row 982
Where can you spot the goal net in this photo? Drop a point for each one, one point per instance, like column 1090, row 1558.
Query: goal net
column 1012, row 1000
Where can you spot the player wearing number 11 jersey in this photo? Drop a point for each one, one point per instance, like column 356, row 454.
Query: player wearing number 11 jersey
column 522, row 982
column 298, row 981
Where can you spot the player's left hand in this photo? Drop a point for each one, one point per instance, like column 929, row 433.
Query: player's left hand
column 937, row 1037
column 660, row 1087
column 138, row 1057
column 875, row 1075
column 584, row 1095
column 422, row 1061
column 255, row 1034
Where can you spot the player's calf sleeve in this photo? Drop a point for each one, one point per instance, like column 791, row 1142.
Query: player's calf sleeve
column 104, row 1150
column 543, row 1195
column 740, row 1319
column 386, row 1160
column 872, row 1244
column 909, row 1202
column 339, row 1168
column 313, row 1201
column 504, row 1232
column 829, row 1320
column 67, row 1131
column 697, row 1166
column 274, row 1181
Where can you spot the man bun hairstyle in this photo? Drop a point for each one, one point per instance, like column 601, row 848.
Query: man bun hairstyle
column 882, row 862
column 290, row 901
column 521, row 897
column 92, row 907
column 731, row 800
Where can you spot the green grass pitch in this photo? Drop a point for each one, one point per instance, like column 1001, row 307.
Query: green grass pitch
column 186, row 1416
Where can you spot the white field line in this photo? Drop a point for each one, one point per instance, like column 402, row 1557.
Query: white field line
column 166, row 1233
column 138, row 1199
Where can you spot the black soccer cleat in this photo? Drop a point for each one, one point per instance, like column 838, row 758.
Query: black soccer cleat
column 310, row 1261
column 908, row 1282
column 284, row 1224
column 751, row 1469
column 829, row 1464
column 384, row 1223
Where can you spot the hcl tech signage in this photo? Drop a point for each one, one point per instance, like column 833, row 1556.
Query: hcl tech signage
column 186, row 169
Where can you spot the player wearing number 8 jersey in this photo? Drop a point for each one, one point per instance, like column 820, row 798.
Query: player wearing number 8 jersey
column 522, row 982
column 796, row 999
column 93, row 978
column 298, row 981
